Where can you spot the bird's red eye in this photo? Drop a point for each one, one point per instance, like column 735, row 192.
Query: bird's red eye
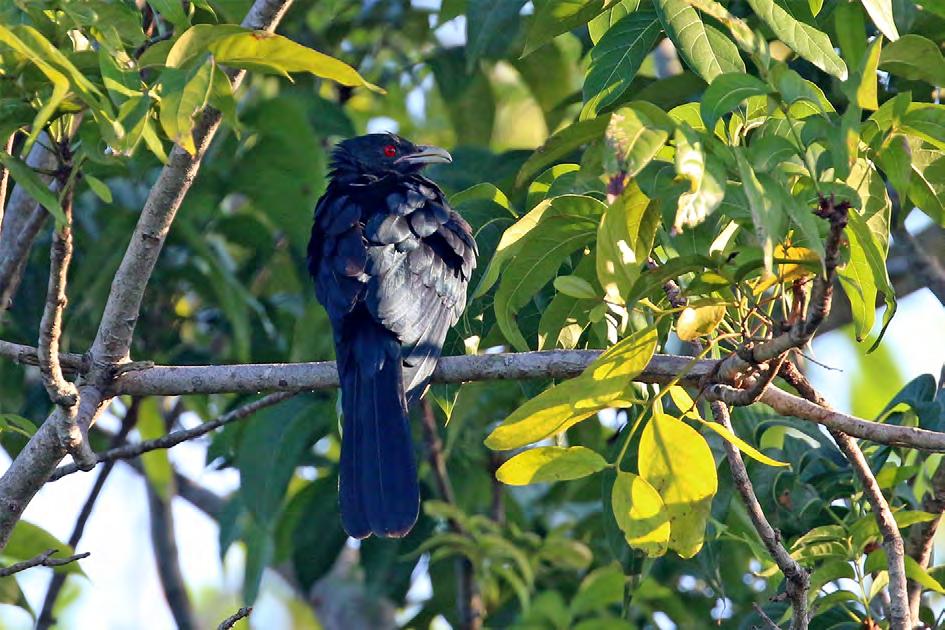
column 390, row 150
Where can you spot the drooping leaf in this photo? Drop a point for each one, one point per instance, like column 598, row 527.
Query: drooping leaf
column 676, row 460
column 810, row 43
column 862, row 236
column 927, row 188
column 706, row 175
column 554, row 17
column 26, row 177
column 576, row 287
column 185, row 95
column 615, row 11
column 624, row 240
column 616, row 59
column 549, row 464
column 915, row 58
column 490, row 27
column 764, row 212
column 881, row 12
column 641, row 514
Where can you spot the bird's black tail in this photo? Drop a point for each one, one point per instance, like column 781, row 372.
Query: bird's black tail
column 378, row 488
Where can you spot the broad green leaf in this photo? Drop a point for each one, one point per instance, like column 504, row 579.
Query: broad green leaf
column 676, row 460
column 601, row 588
column 572, row 226
column 850, row 25
column 706, row 175
column 468, row 96
column 881, row 12
column 564, row 319
column 546, row 464
column 805, row 40
column 157, row 466
column 597, row 27
column 764, row 212
column 510, row 243
column 576, row 287
column 185, row 95
column 866, row 90
column 26, row 177
column 708, row 56
column 98, row 187
column 28, row 541
column 915, row 58
column 616, row 59
column 876, row 561
column 564, row 405
column 635, row 135
column 726, row 92
column 624, row 240
column 927, row 121
column 895, row 158
column 195, row 41
column 121, row 83
column 560, row 144
column 927, row 188
column 16, row 424
column 641, row 514
column 856, row 278
column 699, row 322
column 861, row 236
column 491, row 25
column 544, row 186
column 793, row 88
column 221, row 98
column 266, row 52
column 554, row 17
column 173, row 12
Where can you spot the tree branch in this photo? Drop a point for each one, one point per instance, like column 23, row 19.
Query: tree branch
column 230, row 621
column 28, row 355
column 899, row 615
column 33, row 465
column 5, row 176
column 129, row 451
column 797, row 578
column 42, row 560
column 928, row 269
column 166, row 557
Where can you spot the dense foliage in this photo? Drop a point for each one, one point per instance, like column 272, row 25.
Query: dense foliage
column 708, row 156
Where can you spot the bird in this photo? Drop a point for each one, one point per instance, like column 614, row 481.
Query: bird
column 391, row 262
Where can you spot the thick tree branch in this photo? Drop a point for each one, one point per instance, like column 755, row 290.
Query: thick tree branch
column 230, row 621
column 928, row 269
column 42, row 560
column 130, row 451
column 167, row 558
column 28, row 355
column 899, row 614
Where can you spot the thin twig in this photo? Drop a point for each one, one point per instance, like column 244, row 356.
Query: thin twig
column 42, row 560
column 899, row 613
column 28, row 355
column 129, row 451
column 468, row 599
column 230, row 621
column 765, row 619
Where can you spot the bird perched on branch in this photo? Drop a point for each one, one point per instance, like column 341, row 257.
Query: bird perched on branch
column 391, row 262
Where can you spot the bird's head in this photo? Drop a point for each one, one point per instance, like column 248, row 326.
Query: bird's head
column 382, row 154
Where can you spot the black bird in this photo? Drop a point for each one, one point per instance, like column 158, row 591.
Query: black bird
column 391, row 262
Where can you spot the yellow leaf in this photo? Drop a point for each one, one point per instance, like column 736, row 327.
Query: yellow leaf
column 641, row 514
column 699, row 322
column 807, row 262
column 676, row 460
column 550, row 463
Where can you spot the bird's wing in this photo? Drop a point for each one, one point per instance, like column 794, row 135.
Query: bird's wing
column 420, row 257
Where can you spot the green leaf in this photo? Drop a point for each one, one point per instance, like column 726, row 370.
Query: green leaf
column 34, row 185
column 635, row 135
column 98, row 187
column 554, row 17
column 810, row 43
column 856, row 278
column 685, row 404
column 561, row 406
column 16, row 424
column 881, row 12
column 468, row 96
column 491, row 25
column 866, row 79
column 850, row 25
column 915, row 58
column 544, row 185
column 876, row 561
column 699, row 322
column 564, row 319
column 707, row 55
column 676, row 460
column 616, row 59
column 601, row 588
column 549, row 464
column 571, row 226
column 157, row 467
column 624, row 240
column 576, row 287
column 195, row 41
column 726, row 92
column 641, row 514
column 597, row 27
column 173, row 11
column 185, row 94
column 862, row 237
column 706, row 175
column 927, row 188
column 560, row 144
column 28, row 541
column 895, row 158
column 927, row 121
column 764, row 213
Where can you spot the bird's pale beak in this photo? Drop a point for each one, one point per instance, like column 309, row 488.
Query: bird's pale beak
column 427, row 155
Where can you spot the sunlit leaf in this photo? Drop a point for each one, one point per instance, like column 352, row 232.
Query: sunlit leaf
column 635, row 135
column 576, row 287
column 726, row 92
column 706, row 175
column 699, row 322
column 915, row 58
column 549, row 464
column 554, row 17
column 708, row 56
column 881, row 12
column 678, row 463
column 624, row 240
column 561, row 143
column 810, row 43
column 185, row 94
column 641, row 514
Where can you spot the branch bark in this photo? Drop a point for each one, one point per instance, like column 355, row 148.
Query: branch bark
column 230, row 621
column 167, row 559
column 928, row 269
column 42, row 560
column 5, row 177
